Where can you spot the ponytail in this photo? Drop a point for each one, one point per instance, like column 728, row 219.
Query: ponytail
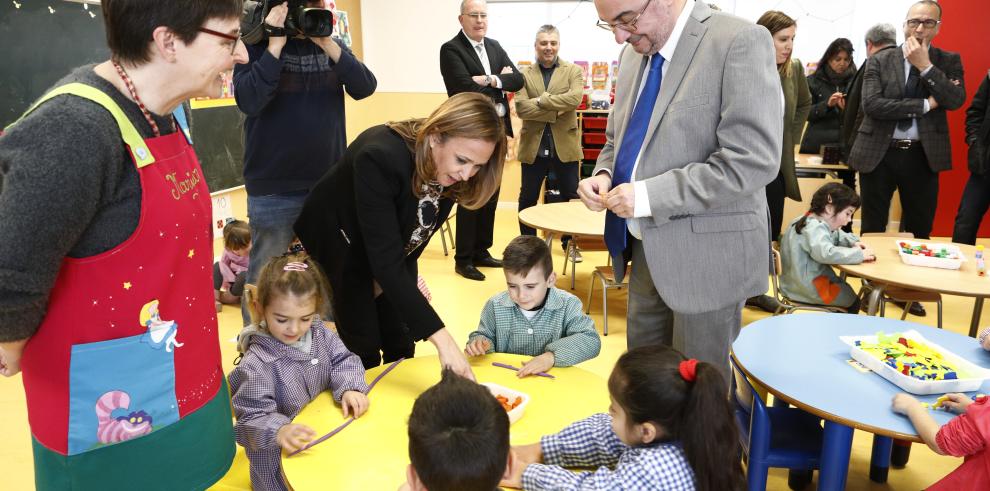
column 836, row 194
column 689, row 400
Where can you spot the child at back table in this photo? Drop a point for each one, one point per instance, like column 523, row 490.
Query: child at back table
column 289, row 357
column 230, row 271
column 813, row 242
column 670, row 427
column 458, row 438
column 966, row 435
column 533, row 317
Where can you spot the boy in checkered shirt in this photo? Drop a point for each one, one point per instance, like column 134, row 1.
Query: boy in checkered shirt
column 533, row 317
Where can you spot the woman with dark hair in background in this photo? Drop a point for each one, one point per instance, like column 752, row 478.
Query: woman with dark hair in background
column 797, row 103
column 829, row 85
column 106, row 217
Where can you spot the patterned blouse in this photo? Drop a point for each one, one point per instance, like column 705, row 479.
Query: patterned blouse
column 429, row 208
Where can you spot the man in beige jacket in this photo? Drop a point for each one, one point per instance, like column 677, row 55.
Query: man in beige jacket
column 549, row 144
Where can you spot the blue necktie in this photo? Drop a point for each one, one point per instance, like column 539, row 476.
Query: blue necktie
column 632, row 142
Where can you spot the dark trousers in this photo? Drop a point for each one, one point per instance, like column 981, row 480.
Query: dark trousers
column 775, row 201
column 560, row 176
column 849, row 179
column 907, row 172
column 974, row 204
column 236, row 288
column 475, row 231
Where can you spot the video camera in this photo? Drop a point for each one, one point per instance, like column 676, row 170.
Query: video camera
column 301, row 20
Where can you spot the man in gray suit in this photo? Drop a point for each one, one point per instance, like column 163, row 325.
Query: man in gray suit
column 903, row 142
column 683, row 169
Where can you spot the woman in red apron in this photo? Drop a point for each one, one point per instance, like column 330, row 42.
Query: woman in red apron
column 121, row 368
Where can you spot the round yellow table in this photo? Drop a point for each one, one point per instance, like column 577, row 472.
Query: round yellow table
column 372, row 452
column 566, row 218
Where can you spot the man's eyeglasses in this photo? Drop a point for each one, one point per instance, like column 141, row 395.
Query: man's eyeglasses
column 478, row 16
column 230, row 37
column 628, row 26
column 928, row 23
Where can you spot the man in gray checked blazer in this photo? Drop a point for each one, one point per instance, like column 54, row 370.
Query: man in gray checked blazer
column 903, row 142
column 698, row 242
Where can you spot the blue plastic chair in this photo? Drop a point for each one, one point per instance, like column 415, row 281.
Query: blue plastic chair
column 776, row 437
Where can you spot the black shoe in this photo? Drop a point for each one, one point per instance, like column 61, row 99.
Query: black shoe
column 469, row 271
column 916, row 309
column 765, row 303
column 488, row 262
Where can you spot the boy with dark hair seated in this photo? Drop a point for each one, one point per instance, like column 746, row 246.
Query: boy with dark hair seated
column 458, row 438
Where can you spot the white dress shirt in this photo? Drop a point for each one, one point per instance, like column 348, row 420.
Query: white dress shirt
column 912, row 132
column 483, row 56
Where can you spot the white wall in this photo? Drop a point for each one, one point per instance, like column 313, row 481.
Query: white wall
column 402, row 38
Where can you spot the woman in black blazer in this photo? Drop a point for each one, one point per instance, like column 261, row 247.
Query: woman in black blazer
column 369, row 218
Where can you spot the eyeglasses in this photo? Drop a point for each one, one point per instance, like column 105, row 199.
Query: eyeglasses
column 928, row 23
column 229, row 37
column 628, row 26
column 478, row 16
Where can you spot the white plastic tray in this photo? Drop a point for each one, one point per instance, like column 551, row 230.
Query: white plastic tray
column 498, row 390
column 975, row 374
column 931, row 262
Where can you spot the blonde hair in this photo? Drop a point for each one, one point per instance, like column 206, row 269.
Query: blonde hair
column 308, row 281
column 466, row 115
column 776, row 21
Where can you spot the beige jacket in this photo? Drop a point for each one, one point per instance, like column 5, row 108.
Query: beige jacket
column 557, row 106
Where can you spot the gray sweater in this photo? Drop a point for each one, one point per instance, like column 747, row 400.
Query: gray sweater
column 67, row 188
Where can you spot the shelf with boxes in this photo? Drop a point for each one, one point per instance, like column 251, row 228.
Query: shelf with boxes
column 591, row 123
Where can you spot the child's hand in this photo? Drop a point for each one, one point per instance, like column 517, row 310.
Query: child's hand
column 478, row 346
column 530, row 454
column 902, row 403
column 292, row 437
column 425, row 290
column 539, row 364
column 957, row 403
column 354, row 403
column 984, row 338
column 868, row 255
column 513, row 478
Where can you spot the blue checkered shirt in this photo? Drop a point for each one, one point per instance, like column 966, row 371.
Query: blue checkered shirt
column 274, row 382
column 560, row 327
column 592, row 443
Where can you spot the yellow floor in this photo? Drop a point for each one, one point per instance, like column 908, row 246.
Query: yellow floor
column 459, row 302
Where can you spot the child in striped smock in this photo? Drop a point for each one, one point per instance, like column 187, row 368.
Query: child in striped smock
column 670, row 427
column 289, row 358
column 533, row 317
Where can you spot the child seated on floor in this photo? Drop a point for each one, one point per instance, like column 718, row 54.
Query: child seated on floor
column 669, row 427
column 288, row 358
column 458, row 438
column 966, row 435
column 533, row 317
column 813, row 242
column 231, row 270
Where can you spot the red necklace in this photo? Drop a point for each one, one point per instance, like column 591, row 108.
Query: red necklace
column 134, row 95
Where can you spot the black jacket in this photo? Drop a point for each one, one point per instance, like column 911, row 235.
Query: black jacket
column 356, row 223
column 824, row 123
column 459, row 62
column 978, row 129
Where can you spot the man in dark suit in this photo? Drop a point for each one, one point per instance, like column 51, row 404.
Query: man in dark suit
column 470, row 62
column 903, row 142
column 878, row 37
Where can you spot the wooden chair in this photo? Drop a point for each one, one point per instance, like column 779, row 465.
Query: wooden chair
column 893, row 293
column 787, row 305
column 606, row 275
column 446, row 228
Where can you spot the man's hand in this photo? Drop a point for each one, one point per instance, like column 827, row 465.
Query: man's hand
column 590, row 190
column 292, row 437
column 621, row 200
column 329, row 46
column 478, row 346
column 505, row 70
column 932, row 103
column 540, row 364
column 10, row 357
column 276, row 18
column 482, row 80
column 916, row 53
column 354, row 403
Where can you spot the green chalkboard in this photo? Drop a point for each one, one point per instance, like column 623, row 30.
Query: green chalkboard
column 43, row 41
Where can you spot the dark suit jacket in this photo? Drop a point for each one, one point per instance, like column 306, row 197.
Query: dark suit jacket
column 978, row 129
column 356, row 223
column 459, row 62
column 852, row 117
column 884, row 105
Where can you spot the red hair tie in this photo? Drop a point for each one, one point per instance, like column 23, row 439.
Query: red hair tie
column 807, row 213
column 688, row 369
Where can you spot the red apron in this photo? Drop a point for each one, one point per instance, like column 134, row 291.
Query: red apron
column 129, row 343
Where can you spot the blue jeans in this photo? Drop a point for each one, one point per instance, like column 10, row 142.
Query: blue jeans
column 271, row 218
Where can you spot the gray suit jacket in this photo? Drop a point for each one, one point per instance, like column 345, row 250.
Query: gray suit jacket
column 713, row 143
column 884, row 105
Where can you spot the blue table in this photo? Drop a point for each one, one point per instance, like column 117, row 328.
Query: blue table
column 800, row 359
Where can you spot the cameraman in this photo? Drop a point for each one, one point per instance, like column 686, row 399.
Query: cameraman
column 292, row 91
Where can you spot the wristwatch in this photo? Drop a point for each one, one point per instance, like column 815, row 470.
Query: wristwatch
column 488, row 79
column 273, row 31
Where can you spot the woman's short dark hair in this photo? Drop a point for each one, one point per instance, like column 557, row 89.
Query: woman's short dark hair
column 130, row 23
column 834, row 48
